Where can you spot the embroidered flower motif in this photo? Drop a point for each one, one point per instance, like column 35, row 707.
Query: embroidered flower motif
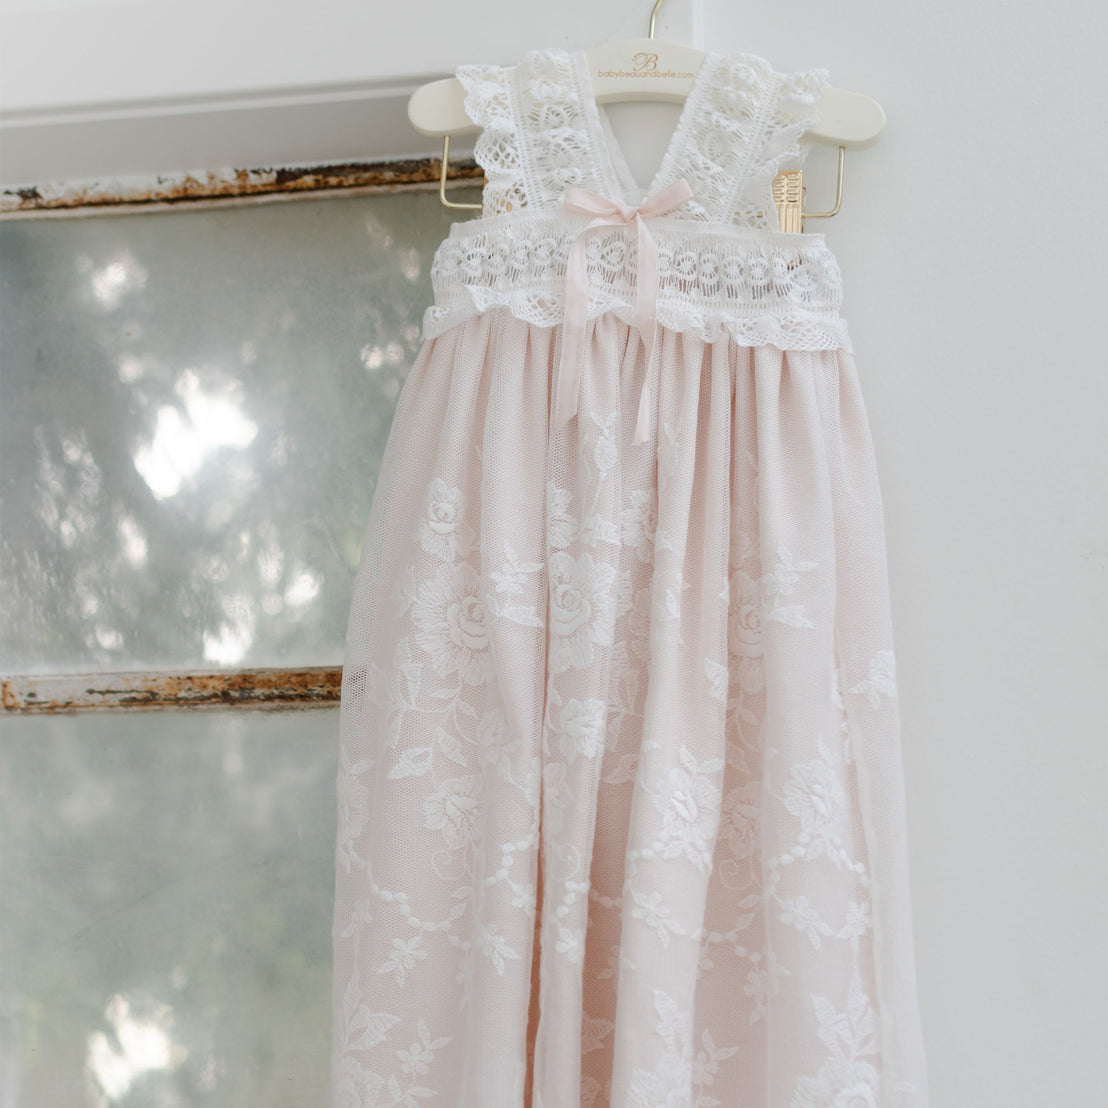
column 413, row 761
column 593, row 1032
column 416, row 1060
column 666, row 1087
column 581, row 728
column 442, row 531
column 403, row 957
column 744, row 631
column 689, row 800
column 494, row 946
column 805, row 918
column 365, row 1028
column 492, row 739
column 670, row 1082
column 624, row 770
column 353, row 803
column 741, row 815
column 717, row 675
column 571, row 943
column 859, row 919
column 881, row 681
column 556, row 796
column 654, row 913
column 597, row 529
column 512, row 576
column 590, row 1090
column 859, row 1094
column 452, row 624
column 511, row 579
column 640, row 521
column 582, row 609
column 453, row 808
column 706, row 1063
column 757, row 988
column 614, row 965
column 845, row 1080
column 393, row 690
column 561, row 526
column 668, row 604
column 779, row 582
column 815, row 796
column 841, row 1084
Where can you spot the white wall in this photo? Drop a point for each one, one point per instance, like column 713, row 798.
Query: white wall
column 973, row 252
column 94, row 90
column 975, row 290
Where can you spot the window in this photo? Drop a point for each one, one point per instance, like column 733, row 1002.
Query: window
column 193, row 404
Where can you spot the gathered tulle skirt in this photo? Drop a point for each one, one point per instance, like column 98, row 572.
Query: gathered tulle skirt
column 620, row 801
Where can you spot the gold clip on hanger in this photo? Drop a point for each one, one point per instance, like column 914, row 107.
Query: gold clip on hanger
column 788, row 195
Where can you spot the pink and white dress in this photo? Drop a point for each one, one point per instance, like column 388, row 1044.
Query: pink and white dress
column 621, row 815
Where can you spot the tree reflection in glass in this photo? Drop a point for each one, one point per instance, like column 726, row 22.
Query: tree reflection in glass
column 192, row 409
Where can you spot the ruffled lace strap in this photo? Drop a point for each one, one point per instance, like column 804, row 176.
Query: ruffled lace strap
column 498, row 150
column 535, row 139
column 748, row 125
column 792, row 109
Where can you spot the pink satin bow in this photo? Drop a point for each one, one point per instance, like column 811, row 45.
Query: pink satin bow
column 609, row 214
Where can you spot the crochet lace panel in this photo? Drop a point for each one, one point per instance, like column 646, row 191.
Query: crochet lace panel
column 535, row 139
column 742, row 122
column 761, row 287
column 724, row 268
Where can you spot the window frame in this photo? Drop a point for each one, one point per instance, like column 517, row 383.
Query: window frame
column 270, row 688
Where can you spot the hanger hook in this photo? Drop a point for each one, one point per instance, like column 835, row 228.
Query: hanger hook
column 653, row 17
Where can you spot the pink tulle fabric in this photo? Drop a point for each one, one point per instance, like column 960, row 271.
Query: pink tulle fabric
column 620, row 802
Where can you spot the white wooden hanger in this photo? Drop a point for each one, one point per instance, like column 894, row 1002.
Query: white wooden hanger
column 627, row 70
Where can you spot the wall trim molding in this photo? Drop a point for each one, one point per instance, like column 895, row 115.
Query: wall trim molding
column 354, row 123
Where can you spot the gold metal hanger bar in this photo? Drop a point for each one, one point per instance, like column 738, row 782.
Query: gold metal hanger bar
column 442, row 178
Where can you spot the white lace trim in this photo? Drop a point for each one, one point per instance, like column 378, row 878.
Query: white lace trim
column 541, row 131
column 761, row 287
column 742, row 122
column 724, row 268
column 497, row 150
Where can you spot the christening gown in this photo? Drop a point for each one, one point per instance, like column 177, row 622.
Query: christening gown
column 621, row 818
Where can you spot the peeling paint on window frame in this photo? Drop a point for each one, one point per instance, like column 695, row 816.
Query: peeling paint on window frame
column 97, row 692
column 228, row 187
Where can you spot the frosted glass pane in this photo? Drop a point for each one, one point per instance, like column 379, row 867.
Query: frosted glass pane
column 165, row 909
column 193, row 405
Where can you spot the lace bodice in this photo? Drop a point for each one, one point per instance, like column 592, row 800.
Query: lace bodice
column 723, row 265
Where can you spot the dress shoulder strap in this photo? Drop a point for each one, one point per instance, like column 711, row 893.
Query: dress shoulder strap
column 742, row 133
column 742, row 122
column 534, row 140
column 488, row 103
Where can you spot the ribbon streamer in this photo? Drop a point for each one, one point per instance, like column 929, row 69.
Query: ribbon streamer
column 608, row 214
